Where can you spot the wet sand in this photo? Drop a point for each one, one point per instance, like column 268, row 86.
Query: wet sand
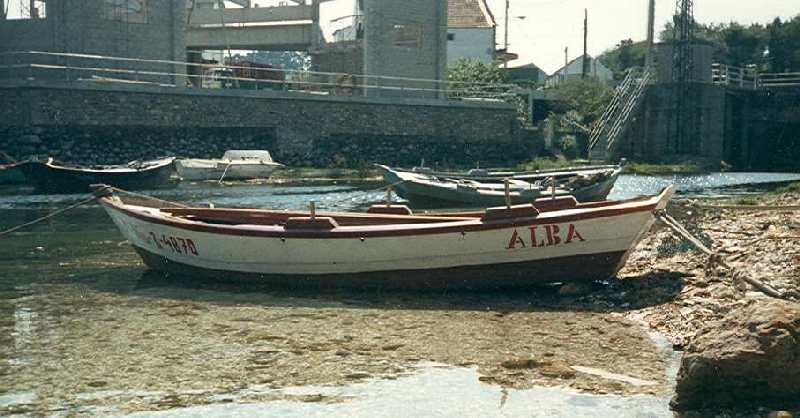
column 147, row 342
column 84, row 330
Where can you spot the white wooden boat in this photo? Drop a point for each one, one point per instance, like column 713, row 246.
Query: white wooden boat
column 234, row 165
column 552, row 240
column 424, row 189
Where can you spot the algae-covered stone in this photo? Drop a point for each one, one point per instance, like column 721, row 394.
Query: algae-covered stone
column 752, row 355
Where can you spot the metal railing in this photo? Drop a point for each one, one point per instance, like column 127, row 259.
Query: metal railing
column 37, row 65
column 750, row 78
column 627, row 97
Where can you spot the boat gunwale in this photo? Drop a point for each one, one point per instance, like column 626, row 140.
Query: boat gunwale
column 159, row 163
column 394, row 230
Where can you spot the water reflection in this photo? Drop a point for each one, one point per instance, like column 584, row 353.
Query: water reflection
column 433, row 391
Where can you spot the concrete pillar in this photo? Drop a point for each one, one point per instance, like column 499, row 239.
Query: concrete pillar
column 315, row 27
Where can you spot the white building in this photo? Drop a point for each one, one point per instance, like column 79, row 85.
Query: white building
column 574, row 69
column 470, row 31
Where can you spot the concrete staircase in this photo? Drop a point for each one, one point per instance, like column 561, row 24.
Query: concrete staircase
column 616, row 118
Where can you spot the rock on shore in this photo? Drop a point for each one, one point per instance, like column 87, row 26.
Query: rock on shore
column 750, row 356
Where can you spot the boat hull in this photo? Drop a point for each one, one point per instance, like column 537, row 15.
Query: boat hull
column 47, row 178
column 562, row 246
column 11, row 174
column 585, row 268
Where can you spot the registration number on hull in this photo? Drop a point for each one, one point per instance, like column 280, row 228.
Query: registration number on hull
column 176, row 245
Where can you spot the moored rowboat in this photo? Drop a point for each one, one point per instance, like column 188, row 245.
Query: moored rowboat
column 53, row 177
column 548, row 241
column 423, row 189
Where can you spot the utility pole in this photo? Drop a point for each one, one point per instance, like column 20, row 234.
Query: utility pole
column 682, row 72
column 651, row 29
column 585, row 59
column 505, row 42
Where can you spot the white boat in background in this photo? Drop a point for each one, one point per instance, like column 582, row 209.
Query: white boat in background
column 234, row 165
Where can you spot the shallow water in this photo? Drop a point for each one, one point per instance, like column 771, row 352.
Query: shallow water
column 84, row 329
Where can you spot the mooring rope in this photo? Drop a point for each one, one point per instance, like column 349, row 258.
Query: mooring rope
column 715, row 259
column 48, row 216
column 105, row 191
column 148, row 197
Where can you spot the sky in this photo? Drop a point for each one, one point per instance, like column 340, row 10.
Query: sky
column 550, row 25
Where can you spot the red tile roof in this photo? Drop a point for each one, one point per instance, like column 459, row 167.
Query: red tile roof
column 469, row 14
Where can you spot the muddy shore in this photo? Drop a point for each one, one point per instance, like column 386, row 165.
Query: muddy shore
column 102, row 335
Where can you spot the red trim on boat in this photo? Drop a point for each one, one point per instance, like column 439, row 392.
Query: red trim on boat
column 382, row 230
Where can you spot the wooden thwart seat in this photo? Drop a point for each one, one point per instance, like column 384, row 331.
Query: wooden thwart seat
column 390, row 210
column 319, row 223
column 548, row 204
column 518, row 211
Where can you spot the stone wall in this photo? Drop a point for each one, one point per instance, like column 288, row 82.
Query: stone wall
column 748, row 129
column 104, row 123
column 651, row 134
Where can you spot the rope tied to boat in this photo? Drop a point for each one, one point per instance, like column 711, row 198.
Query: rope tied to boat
column 49, row 215
column 715, row 259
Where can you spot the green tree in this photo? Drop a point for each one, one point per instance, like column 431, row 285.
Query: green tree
column 474, row 76
column 587, row 98
column 784, row 45
column 625, row 55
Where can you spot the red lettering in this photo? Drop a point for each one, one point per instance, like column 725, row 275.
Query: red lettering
column 552, row 235
column 573, row 233
column 515, row 239
column 534, row 241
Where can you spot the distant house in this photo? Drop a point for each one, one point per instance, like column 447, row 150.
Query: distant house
column 526, row 73
column 470, row 31
column 574, row 69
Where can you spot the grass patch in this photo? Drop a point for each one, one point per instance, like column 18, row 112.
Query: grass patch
column 683, row 168
column 548, row 163
column 325, row 173
column 789, row 188
column 746, row 201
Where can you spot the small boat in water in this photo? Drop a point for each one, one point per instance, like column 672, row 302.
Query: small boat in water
column 234, row 165
column 550, row 240
column 52, row 177
column 423, row 188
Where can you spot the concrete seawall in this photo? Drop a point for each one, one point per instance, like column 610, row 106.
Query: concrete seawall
column 110, row 123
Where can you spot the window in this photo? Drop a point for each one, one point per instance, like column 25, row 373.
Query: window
column 25, row 9
column 407, row 35
column 131, row 11
column 451, row 36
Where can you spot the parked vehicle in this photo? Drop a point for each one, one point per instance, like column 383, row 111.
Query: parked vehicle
column 219, row 78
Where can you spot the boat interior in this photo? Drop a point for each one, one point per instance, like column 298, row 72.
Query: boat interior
column 379, row 214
